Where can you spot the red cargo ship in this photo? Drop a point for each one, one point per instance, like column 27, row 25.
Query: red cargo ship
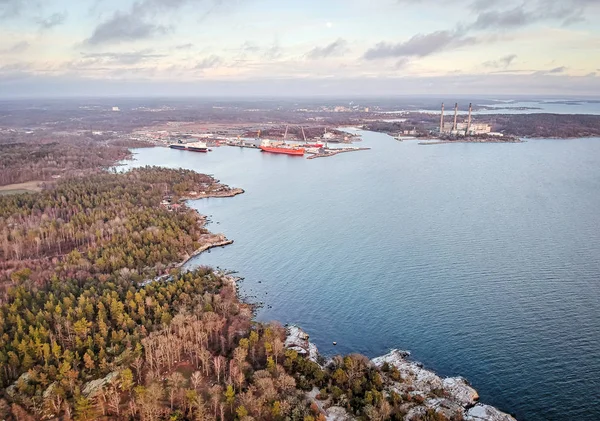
column 282, row 148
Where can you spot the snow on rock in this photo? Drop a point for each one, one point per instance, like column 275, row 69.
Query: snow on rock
column 298, row 340
column 460, row 390
column 482, row 412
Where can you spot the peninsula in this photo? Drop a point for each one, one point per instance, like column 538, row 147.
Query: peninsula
column 87, row 335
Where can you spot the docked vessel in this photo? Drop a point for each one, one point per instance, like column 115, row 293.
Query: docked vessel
column 197, row 147
column 281, row 148
column 310, row 145
column 192, row 147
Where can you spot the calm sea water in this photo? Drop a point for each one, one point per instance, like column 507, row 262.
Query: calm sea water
column 548, row 106
column 483, row 260
column 532, row 107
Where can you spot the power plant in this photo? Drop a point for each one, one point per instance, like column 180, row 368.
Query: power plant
column 467, row 128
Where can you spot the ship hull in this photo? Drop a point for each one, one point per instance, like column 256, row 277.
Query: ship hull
column 179, row 147
column 285, row 151
column 197, row 149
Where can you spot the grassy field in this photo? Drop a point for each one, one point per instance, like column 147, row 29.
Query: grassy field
column 29, row 187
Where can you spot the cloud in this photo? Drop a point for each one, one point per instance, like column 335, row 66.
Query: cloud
column 503, row 19
column 567, row 12
column 17, row 48
column 250, row 47
column 554, row 71
column 481, row 5
column 502, row 62
column 506, row 14
column 11, row 8
column 402, row 63
column 557, row 70
column 337, row 47
column 209, row 62
column 133, row 57
column 53, row 20
column 184, row 46
column 491, row 18
column 273, row 52
column 421, row 45
column 122, row 28
column 15, row 67
column 137, row 23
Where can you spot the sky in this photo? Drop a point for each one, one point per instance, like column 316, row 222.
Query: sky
column 299, row 47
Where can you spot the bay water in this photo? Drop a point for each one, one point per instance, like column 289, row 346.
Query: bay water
column 483, row 260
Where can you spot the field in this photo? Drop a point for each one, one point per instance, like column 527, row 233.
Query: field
column 28, row 187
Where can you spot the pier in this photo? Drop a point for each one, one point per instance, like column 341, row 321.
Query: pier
column 241, row 144
column 324, row 153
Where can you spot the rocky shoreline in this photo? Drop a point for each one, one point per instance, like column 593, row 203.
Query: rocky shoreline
column 451, row 397
column 209, row 239
column 499, row 140
column 221, row 191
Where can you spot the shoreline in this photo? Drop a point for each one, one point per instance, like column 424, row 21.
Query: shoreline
column 448, row 396
column 218, row 239
column 444, row 142
column 226, row 192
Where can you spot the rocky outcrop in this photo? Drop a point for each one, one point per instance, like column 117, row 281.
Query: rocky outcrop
column 298, row 340
column 482, row 412
column 218, row 190
column 91, row 388
column 450, row 396
column 337, row 413
column 460, row 390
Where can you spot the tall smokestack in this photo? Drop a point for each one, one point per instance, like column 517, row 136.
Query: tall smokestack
column 469, row 120
column 442, row 120
column 455, row 116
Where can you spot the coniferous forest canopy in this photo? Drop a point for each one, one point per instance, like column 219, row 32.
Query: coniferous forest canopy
column 96, row 320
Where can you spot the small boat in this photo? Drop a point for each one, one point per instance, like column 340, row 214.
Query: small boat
column 177, row 146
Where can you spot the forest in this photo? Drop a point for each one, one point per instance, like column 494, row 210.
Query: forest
column 101, row 224
column 41, row 156
column 98, row 322
column 519, row 125
column 547, row 125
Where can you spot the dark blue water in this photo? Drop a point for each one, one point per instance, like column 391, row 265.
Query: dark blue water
column 481, row 259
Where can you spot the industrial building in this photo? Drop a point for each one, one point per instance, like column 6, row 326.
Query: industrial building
column 465, row 128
